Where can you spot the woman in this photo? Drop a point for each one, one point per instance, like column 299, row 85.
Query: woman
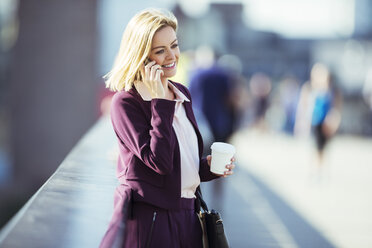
column 319, row 110
column 160, row 165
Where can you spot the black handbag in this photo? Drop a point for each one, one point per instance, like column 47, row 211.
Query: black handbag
column 212, row 225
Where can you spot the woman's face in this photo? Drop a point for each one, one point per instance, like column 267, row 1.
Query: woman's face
column 320, row 77
column 165, row 51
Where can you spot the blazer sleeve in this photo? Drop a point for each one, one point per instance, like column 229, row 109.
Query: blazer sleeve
column 205, row 172
column 150, row 142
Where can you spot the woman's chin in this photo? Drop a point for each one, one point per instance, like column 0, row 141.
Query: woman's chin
column 169, row 74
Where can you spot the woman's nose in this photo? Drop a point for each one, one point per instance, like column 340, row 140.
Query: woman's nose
column 171, row 55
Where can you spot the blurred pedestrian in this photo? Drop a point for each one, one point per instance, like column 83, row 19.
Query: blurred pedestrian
column 160, row 165
column 212, row 88
column 367, row 94
column 289, row 94
column 319, row 109
column 260, row 86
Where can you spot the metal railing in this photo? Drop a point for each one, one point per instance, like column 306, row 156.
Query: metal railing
column 74, row 206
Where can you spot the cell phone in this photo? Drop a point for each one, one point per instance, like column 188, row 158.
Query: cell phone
column 147, row 61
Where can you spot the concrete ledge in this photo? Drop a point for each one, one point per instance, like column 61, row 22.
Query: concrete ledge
column 73, row 208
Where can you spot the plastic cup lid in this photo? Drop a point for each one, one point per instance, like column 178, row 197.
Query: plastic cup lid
column 223, row 147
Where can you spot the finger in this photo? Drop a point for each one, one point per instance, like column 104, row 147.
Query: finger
column 230, row 166
column 147, row 73
column 228, row 173
column 148, row 67
column 209, row 159
column 150, row 64
column 159, row 73
column 153, row 71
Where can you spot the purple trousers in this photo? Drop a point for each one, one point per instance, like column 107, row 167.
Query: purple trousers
column 151, row 226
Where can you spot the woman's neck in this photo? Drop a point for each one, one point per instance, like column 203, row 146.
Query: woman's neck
column 169, row 94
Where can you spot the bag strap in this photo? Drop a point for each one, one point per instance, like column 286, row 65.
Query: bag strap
column 199, row 197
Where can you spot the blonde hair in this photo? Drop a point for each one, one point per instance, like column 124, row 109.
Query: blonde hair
column 135, row 47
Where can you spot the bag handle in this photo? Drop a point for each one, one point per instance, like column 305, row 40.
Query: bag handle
column 199, row 197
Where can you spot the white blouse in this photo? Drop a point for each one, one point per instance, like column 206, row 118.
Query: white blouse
column 188, row 143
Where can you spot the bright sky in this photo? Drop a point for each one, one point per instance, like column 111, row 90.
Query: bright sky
column 292, row 18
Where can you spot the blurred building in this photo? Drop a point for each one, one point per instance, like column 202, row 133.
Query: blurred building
column 363, row 19
column 48, row 90
column 224, row 28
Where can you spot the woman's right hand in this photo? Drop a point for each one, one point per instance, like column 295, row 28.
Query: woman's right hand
column 152, row 80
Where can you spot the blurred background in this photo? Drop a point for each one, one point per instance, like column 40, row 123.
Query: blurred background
column 261, row 72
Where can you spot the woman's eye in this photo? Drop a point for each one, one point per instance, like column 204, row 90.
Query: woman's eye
column 174, row 45
column 159, row 52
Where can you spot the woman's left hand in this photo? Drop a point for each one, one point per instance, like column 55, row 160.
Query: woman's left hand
column 229, row 167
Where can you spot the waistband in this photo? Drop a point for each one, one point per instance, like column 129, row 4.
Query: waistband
column 185, row 203
column 188, row 203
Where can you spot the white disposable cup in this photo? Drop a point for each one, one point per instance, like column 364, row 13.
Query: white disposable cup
column 222, row 154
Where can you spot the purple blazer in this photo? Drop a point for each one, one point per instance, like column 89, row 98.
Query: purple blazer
column 149, row 159
column 149, row 164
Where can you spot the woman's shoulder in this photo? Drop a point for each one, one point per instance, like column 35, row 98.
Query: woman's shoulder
column 123, row 97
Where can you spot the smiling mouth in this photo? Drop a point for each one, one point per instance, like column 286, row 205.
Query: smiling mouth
column 169, row 66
